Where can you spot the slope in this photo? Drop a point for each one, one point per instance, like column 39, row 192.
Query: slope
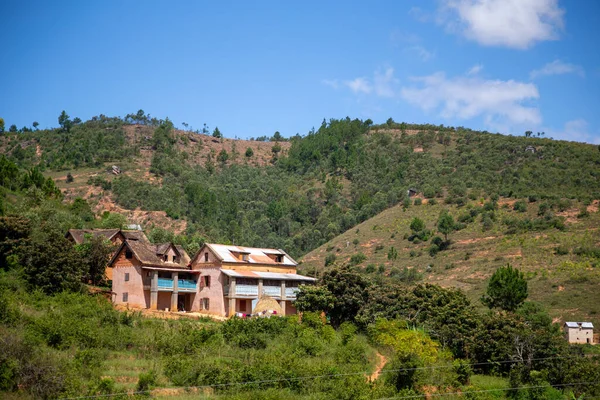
column 562, row 266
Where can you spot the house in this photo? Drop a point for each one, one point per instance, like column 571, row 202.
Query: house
column 233, row 278
column 116, row 236
column 155, row 276
column 412, row 192
column 579, row 332
column 221, row 280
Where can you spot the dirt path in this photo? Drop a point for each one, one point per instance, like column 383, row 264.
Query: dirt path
column 380, row 364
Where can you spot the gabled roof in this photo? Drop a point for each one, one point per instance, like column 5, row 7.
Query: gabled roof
column 587, row 325
column 226, row 253
column 134, row 235
column 78, row 235
column 150, row 254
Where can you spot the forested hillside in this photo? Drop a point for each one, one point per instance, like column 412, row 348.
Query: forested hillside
column 297, row 195
column 372, row 327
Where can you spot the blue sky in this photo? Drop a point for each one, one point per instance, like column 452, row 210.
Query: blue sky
column 252, row 68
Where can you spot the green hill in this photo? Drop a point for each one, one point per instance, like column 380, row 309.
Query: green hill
column 561, row 265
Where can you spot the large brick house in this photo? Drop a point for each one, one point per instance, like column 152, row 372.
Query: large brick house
column 220, row 279
column 579, row 332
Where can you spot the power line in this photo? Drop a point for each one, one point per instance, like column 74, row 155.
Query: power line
column 300, row 378
column 492, row 390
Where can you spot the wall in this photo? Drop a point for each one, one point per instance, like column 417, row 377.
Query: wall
column 134, row 287
column 575, row 335
column 289, row 308
column 214, row 293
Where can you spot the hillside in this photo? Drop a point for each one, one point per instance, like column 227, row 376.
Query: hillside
column 562, row 266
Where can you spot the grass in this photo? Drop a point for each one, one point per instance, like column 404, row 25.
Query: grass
column 565, row 283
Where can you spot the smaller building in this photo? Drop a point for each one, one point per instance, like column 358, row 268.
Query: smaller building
column 579, row 332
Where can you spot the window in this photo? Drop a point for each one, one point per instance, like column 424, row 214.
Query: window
column 166, row 257
column 125, row 297
column 205, row 303
column 128, row 253
column 126, row 276
column 244, row 257
column 206, row 280
column 175, row 259
column 205, row 257
column 279, row 258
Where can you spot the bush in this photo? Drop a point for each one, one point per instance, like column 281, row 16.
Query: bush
column 520, row 206
column 146, row 380
column 561, row 250
column 370, row 268
column 418, row 202
column 249, row 152
column 330, row 259
column 357, row 259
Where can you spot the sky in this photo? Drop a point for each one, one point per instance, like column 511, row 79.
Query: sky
column 253, row 68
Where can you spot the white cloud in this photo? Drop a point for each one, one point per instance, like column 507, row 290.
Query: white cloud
column 475, row 69
column 384, row 83
column 511, row 23
column 421, row 52
column 557, row 67
column 333, row 83
column 359, row 85
column 576, row 130
column 499, row 103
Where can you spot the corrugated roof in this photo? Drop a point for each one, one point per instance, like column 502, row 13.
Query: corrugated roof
column 267, row 275
column 586, row 325
column 255, row 255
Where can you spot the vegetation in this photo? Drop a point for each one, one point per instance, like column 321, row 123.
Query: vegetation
column 483, row 200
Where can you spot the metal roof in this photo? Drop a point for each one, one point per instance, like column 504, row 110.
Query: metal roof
column 255, row 255
column 267, row 275
column 587, row 325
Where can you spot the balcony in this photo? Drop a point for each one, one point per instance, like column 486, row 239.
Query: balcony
column 290, row 292
column 273, row 291
column 183, row 285
column 252, row 291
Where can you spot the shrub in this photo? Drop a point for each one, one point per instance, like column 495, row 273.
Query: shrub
column 379, row 247
column 520, row 206
column 330, row 259
column 370, row 268
column 357, row 259
column 561, row 250
column 356, row 242
column 392, row 253
column 418, row 202
column 146, row 380
column 249, row 152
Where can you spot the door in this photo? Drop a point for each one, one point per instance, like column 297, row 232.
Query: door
column 242, row 308
column 254, row 301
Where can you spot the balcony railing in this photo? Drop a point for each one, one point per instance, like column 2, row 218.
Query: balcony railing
column 165, row 283
column 184, row 285
column 290, row 292
column 273, row 291
column 252, row 291
column 246, row 290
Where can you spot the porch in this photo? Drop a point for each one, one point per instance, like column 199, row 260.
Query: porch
column 171, row 290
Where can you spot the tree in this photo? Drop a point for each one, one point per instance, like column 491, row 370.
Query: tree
column 217, row 133
column 76, row 121
column 314, row 298
column 528, row 133
column 64, row 121
column 249, row 152
column 36, row 124
column 14, row 234
column 13, row 129
column 350, row 293
column 506, row 290
column 445, row 224
column 417, row 225
column 223, row 157
column 95, row 253
column 1, row 125
column 276, row 149
column 113, row 221
column 277, row 137
column 69, row 178
column 51, row 264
